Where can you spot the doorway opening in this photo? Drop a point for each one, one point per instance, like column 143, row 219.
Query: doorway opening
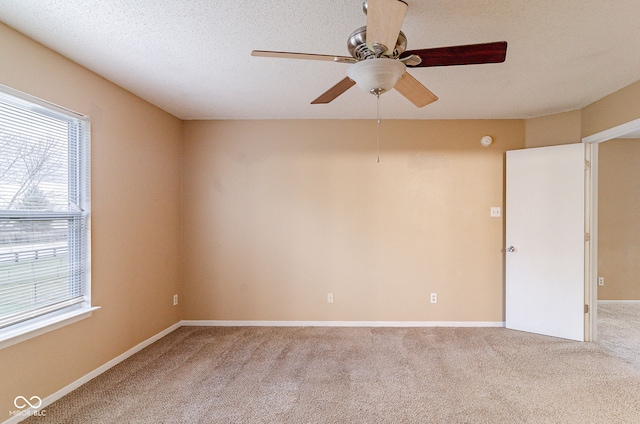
column 627, row 130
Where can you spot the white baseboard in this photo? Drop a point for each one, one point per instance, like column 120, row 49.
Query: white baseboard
column 607, row 302
column 93, row 374
column 225, row 323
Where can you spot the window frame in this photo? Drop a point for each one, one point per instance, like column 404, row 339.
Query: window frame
column 75, row 311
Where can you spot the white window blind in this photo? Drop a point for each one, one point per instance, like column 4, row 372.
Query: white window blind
column 44, row 209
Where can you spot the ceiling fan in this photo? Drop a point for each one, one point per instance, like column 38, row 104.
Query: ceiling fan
column 379, row 57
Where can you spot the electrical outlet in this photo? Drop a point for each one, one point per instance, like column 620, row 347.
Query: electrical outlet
column 329, row 297
column 175, row 300
column 434, row 297
column 601, row 281
column 495, row 212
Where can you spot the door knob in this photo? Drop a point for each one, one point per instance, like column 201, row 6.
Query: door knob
column 511, row 249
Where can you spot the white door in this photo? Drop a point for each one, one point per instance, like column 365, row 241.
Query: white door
column 545, row 240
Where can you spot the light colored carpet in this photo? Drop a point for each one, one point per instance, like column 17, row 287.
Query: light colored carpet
column 358, row 375
column 619, row 330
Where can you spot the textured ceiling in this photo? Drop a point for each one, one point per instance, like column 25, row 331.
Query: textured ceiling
column 192, row 57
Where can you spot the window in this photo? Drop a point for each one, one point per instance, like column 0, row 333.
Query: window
column 44, row 216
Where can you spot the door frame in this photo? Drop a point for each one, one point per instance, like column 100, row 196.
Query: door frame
column 591, row 220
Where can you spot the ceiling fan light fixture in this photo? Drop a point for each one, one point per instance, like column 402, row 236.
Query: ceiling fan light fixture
column 376, row 76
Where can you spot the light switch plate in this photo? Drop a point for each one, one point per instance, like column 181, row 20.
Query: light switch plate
column 495, row 212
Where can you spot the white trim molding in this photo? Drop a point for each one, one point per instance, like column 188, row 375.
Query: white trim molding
column 88, row 377
column 35, row 327
column 399, row 324
column 611, row 302
column 615, row 132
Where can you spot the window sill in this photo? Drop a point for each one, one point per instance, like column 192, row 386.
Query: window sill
column 37, row 326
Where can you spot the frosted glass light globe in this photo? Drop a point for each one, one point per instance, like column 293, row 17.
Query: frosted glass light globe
column 378, row 75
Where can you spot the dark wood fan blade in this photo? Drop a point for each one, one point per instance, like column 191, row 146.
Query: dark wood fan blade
column 334, row 91
column 417, row 93
column 307, row 56
column 384, row 21
column 470, row 54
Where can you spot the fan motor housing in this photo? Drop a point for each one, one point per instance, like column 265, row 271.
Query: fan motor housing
column 358, row 48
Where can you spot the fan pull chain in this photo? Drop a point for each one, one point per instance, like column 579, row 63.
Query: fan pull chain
column 378, row 128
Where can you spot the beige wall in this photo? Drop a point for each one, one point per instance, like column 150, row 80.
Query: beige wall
column 570, row 127
column 618, row 223
column 551, row 130
column 135, row 222
column 615, row 109
column 279, row 213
